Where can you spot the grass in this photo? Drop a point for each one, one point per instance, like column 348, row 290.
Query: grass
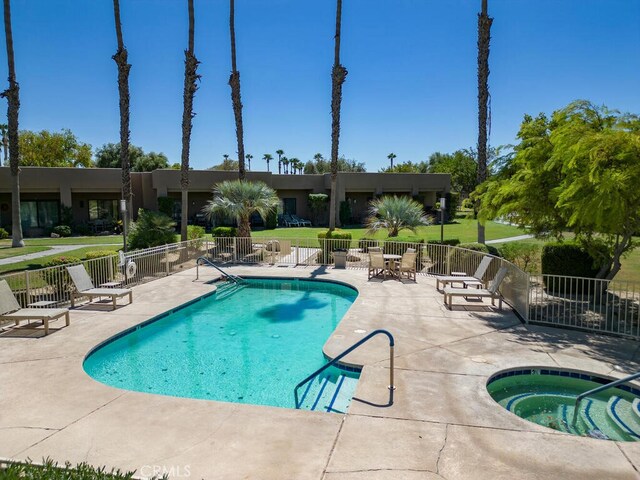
column 464, row 229
column 40, row 262
column 47, row 242
column 7, row 252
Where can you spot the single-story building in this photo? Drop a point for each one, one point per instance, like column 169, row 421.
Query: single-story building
column 90, row 196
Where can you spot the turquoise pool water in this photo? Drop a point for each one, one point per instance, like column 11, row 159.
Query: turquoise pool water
column 548, row 397
column 250, row 346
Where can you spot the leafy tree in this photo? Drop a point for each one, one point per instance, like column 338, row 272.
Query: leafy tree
column 406, row 167
column 579, row 170
column 191, row 78
column 461, row 165
column 484, row 37
column 241, row 199
column 227, row 164
column 394, row 214
column 108, row 156
column 150, row 161
column 234, row 83
column 320, row 165
column 121, row 58
column 338, row 76
column 46, row 149
column 12, row 94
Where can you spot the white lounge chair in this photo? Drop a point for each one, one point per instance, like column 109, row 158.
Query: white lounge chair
column 475, row 278
column 492, row 292
column 85, row 288
column 10, row 309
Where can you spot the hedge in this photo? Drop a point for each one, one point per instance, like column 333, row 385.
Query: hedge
column 568, row 259
column 223, row 232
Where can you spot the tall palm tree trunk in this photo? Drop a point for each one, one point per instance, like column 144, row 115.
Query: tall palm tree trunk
column 338, row 76
column 121, row 57
column 234, row 83
column 190, row 87
column 484, row 36
column 12, row 94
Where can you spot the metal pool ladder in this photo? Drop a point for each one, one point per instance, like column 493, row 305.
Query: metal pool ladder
column 613, row 383
column 348, row 351
column 230, row 276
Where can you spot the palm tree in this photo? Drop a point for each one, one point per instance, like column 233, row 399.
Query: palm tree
column 280, row 153
column 234, row 83
column 391, row 156
column 338, row 76
column 12, row 94
column 121, row 57
column 267, row 158
column 484, row 37
column 190, row 87
column 5, row 143
column 226, row 157
column 241, row 199
column 294, row 165
column 248, row 156
column 394, row 214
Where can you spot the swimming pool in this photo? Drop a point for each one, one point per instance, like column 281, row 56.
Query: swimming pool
column 246, row 344
column 547, row 396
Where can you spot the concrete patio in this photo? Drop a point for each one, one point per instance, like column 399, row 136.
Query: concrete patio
column 442, row 423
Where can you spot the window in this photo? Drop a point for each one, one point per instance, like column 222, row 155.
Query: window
column 40, row 213
column 289, row 206
column 103, row 210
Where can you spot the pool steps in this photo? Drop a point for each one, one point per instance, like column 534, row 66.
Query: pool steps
column 623, row 416
column 330, row 392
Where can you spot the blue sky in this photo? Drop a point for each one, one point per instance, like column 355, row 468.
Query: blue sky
column 411, row 87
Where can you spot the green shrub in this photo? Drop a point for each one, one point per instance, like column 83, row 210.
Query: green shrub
column 330, row 242
column 166, row 205
column 223, row 232
column 3, row 234
column 450, row 241
column 467, row 204
column 271, row 221
column 568, row 259
column 62, row 230
column 152, row 229
column 345, row 212
column 61, row 260
column 83, row 229
column 50, row 470
column 481, row 247
column 93, row 254
column 525, row 256
column 452, row 202
column 95, row 269
column 59, row 278
column 195, row 234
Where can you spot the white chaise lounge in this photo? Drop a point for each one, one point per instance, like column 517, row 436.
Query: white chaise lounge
column 475, row 278
column 85, row 288
column 10, row 310
column 492, row 292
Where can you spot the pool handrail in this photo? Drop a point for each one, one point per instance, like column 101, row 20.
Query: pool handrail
column 348, row 351
column 230, row 276
column 599, row 389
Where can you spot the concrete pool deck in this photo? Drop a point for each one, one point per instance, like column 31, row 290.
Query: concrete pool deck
column 442, row 424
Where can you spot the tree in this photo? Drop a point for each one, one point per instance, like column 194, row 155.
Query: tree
column 280, row 153
column 267, row 158
column 484, row 37
column 295, row 165
column 241, row 199
column 227, row 164
column 12, row 94
column 462, row 166
column 406, row 167
column 577, row 171
column 121, row 59
column 191, row 78
column 150, row 161
column 46, row 149
column 108, row 156
column 234, row 83
column 391, row 156
column 248, row 156
column 338, row 76
column 285, row 164
column 4, row 129
column 394, row 214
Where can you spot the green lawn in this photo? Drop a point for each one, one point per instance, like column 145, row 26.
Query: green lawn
column 40, row 262
column 46, row 241
column 7, row 251
column 464, row 229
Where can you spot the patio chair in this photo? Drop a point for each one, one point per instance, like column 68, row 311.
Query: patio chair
column 407, row 265
column 289, row 221
column 377, row 265
column 85, row 288
column 493, row 291
column 472, row 279
column 301, row 221
column 10, row 310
